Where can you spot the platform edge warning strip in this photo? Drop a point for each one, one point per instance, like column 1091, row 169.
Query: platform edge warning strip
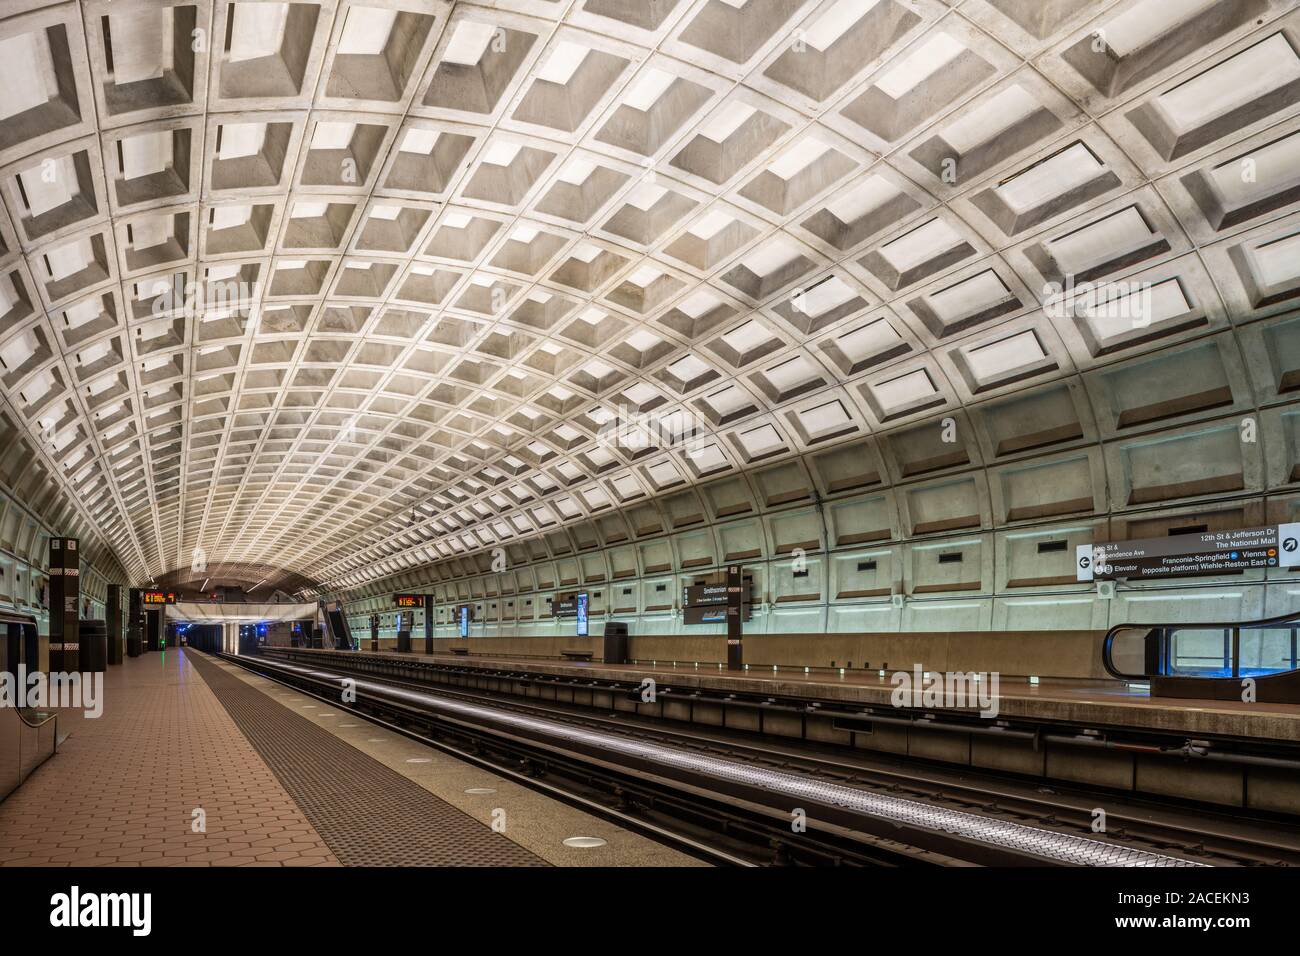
column 366, row 812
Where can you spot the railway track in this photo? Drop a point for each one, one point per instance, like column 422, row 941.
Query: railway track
column 714, row 791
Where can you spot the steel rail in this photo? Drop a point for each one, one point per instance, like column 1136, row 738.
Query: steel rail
column 1146, row 831
column 487, row 748
column 1005, row 835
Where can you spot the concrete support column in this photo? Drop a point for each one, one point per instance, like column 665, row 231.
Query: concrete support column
column 134, row 623
column 153, row 628
column 404, row 621
column 230, row 637
column 428, row 624
column 735, row 637
column 114, row 615
column 65, row 605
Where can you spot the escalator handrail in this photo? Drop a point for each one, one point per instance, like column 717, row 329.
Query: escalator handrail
column 25, row 620
column 34, row 745
column 1108, row 642
column 28, row 716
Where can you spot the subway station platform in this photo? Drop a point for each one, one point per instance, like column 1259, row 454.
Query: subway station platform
column 772, row 349
column 195, row 763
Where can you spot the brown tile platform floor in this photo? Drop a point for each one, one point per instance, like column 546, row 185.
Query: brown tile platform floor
column 368, row 814
column 529, row 817
column 122, row 789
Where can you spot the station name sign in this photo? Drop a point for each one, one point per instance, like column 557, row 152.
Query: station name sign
column 707, row 603
column 157, row 597
column 566, row 605
column 1188, row 555
column 408, row 600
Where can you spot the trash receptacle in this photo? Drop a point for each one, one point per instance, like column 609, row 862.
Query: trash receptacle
column 616, row 642
column 94, row 645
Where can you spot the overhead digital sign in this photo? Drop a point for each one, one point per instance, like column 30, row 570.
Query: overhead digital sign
column 156, row 598
column 1190, row 555
column 408, row 600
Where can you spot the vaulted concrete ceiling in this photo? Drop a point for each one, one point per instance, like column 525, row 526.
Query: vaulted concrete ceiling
column 436, row 246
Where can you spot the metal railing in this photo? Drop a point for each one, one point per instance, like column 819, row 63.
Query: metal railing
column 27, row 736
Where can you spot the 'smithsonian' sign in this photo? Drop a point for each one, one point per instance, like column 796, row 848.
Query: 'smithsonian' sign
column 1188, row 555
column 707, row 603
column 566, row 605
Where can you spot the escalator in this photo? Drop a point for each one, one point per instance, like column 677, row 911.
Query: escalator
column 1209, row 661
column 336, row 625
column 27, row 736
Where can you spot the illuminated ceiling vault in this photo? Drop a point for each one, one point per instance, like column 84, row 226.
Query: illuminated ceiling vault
column 467, row 234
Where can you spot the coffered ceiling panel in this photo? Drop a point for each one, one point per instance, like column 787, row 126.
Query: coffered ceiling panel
column 338, row 287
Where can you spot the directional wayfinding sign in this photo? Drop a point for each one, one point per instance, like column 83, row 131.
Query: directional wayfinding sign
column 1187, row 555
